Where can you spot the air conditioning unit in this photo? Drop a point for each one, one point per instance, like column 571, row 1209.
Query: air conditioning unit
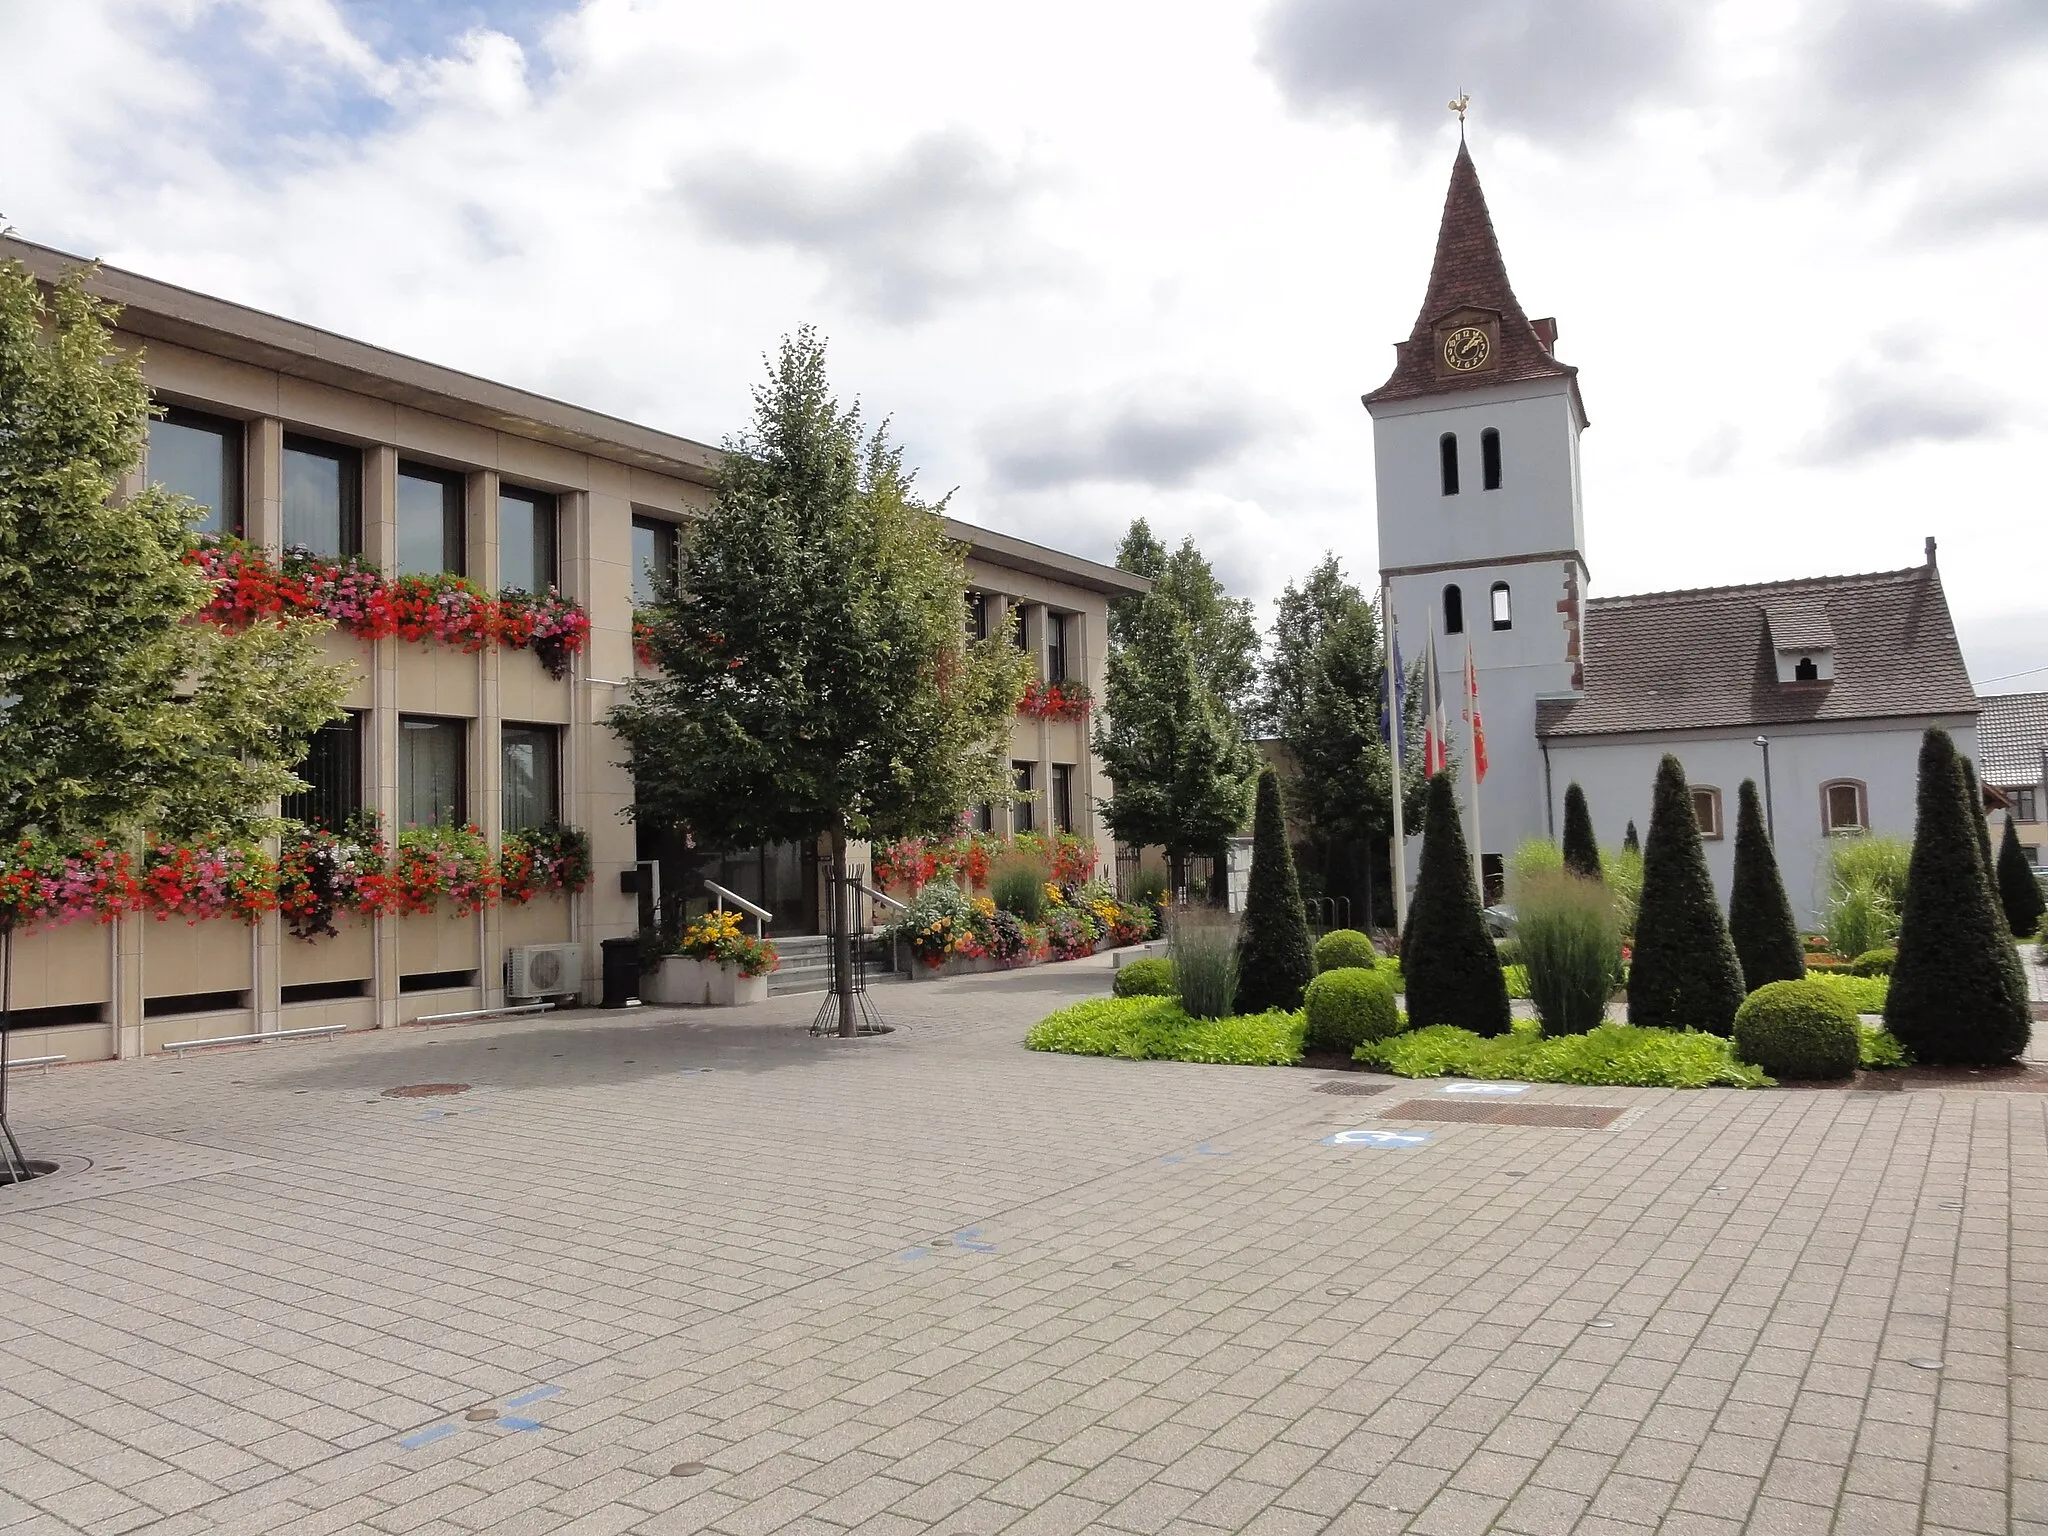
column 543, row 970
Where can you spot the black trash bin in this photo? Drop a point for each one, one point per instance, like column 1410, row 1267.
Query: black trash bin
column 621, row 972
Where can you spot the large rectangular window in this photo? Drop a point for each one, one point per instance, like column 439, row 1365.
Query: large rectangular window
column 333, row 771
column 1022, row 809
column 977, row 615
column 199, row 456
column 1056, row 646
column 322, row 498
column 1063, row 796
column 429, row 521
column 526, row 540
column 655, row 559
column 532, row 756
column 2025, row 804
column 433, row 763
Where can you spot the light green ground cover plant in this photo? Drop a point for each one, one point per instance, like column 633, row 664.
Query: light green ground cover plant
column 1613, row 1055
column 1517, row 978
column 1880, row 1050
column 1159, row 1029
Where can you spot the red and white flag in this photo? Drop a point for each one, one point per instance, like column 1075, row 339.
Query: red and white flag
column 1472, row 717
column 1436, row 725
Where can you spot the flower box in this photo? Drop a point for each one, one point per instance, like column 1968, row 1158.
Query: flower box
column 727, row 988
column 678, row 982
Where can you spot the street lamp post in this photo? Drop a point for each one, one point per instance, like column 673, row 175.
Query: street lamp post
column 1770, row 819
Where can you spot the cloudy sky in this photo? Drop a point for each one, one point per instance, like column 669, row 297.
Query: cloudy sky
column 1106, row 260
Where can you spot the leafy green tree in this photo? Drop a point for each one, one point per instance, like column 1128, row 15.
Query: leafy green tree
column 118, row 712
column 815, row 680
column 1141, row 554
column 2019, row 893
column 1759, row 914
column 1684, row 974
column 1275, row 963
column 1449, row 964
column 1180, row 768
column 1302, row 623
column 1958, row 996
column 1226, row 639
column 1581, row 849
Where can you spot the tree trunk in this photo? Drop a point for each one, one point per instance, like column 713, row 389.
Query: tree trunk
column 841, row 928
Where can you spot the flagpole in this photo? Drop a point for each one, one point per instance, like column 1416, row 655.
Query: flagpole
column 1400, row 861
column 1472, row 746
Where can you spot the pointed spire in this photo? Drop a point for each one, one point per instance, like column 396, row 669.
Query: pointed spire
column 1468, row 286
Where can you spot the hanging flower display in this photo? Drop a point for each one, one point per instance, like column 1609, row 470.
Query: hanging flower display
column 541, row 861
column 546, row 623
column 442, row 863
column 1070, row 700
column 321, row 873
column 208, row 879
column 45, row 884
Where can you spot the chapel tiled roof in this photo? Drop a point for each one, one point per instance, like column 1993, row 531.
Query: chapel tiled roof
column 2012, row 731
column 1799, row 624
column 1667, row 661
column 1468, row 273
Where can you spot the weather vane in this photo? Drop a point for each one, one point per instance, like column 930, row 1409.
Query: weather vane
column 1458, row 104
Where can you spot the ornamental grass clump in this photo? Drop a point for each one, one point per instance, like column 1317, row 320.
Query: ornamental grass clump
column 1866, row 891
column 1571, row 950
column 1684, row 974
column 1347, row 1007
column 1344, row 947
column 1202, row 946
column 1800, row 1030
column 1759, row 914
column 1017, row 882
column 1274, row 965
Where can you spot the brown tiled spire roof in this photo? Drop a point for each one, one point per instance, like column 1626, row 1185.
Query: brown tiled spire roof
column 1468, row 274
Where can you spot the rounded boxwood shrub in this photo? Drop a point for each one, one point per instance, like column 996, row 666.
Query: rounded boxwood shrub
column 1799, row 1029
column 1343, row 949
column 1348, row 1006
column 1873, row 962
column 1144, row 978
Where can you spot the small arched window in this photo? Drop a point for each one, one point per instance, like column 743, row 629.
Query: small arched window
column 1806, row 671
column 1454, row 611
column 1844, row 807
column 1503, row 611
column 1447, row 452
column 1706, row 810
column 1489, row 458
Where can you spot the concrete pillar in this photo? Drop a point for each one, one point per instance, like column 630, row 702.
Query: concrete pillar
column 487, row 797
column 263, row 526
column 380, row 535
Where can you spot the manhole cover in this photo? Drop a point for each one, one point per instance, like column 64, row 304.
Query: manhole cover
column 425, row 1090
column 1352, row 1090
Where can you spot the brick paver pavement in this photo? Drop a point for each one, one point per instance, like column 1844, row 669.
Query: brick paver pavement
column 709, row 1274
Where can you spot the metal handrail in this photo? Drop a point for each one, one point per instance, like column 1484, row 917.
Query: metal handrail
column 760, row 915
column 891, row 901
column 258, row 1039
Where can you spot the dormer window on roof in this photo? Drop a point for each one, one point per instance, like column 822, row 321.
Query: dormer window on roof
column 1803, row 638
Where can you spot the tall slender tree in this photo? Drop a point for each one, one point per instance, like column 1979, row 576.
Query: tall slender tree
column 1684, row 973
column 1581, row 850
column 1275, row 962
column 1973, row 798
column 1957, row 996
column 1760, row 917
column 1449, row 964
column 1303, row 621
column 815, row 679
column 2019, row 892
column 1630, row 842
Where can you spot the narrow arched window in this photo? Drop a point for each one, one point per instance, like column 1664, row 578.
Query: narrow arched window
column 1503, row 612
column 1454, row 611
column 1844, row 806
column 1447, row 451
column 1808, row 671
column 1489, row 458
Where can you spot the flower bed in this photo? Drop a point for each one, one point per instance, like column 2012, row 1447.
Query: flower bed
column 198, row 881
column 942, row 923
column 910, row 863
column 440, row 864
column 541, row 861
column 322, row 873
column 250, row 587
column 721, row 938
column 43, row 883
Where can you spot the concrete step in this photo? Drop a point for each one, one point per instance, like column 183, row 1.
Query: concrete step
column 806, row 965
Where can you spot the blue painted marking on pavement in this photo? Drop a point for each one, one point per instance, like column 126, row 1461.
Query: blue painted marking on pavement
column 914, row 1253
column 510, row 1421
column 432, row 1114
column 418, row 1438
column 966, row 1240
column 1378, row 1139
column 532, row 1397
column 1203, row 1149
column 1171, row 1157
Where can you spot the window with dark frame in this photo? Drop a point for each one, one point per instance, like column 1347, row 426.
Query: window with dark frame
column 1063, row 796
column 1706, row 810
column 1454, row 611
column 985, row 817
column 526, row 540
column 430, row 541
column 1842, row 806
column 656, row 559
column 977, row 615
column 333, row 771
column 1019, row 631
column 1055, row 646
column 1022, row 808
column 323, row 498
column 1447, row 455
column 1503, row 608
column 433, row 771
column 2025, row 803
column 532, row 759
column 1489, row 458
column 200, row 456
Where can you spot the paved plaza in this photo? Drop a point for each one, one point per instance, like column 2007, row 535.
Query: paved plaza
column 665, row 1272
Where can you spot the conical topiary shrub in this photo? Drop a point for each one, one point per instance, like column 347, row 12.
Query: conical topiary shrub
column 1449, row 965
column 1973, row 800
column 1274, row 964
column 2018, row 891
column 1759, row 915
column 1581, row 852
column 1684, row 974
column 1957, row 996
column 1630, row 843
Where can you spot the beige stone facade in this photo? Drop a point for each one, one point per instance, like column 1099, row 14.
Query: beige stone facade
column 88, row 991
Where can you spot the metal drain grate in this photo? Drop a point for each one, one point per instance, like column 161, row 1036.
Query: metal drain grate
column 1353, row 1090
column 1574, row 1117
column 425, row 1090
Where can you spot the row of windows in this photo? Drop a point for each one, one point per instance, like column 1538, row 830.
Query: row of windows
column 433, row 774
column 1024, row 809
column 1499, row 603
column 1489, row 460
column 1844, row 807
column 1058, row 629
column 201, row 457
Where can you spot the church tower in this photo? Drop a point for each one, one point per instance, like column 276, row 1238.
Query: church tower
column 1481, row 533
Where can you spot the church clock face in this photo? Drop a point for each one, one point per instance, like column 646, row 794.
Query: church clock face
column 1466, row 348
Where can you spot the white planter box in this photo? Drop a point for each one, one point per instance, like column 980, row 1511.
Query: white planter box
column 678, row 982
column 728, row 988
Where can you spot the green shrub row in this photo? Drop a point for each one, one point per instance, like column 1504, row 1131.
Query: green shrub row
column 1610, row 1055
column 1159, row 1029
